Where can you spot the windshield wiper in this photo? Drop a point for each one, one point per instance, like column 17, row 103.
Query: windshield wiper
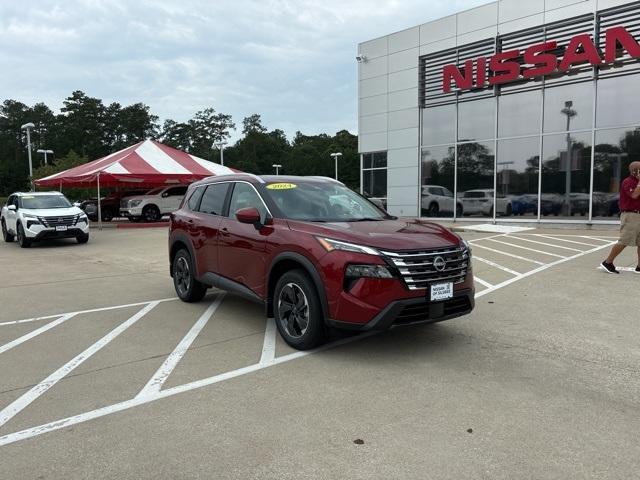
column 366, row 219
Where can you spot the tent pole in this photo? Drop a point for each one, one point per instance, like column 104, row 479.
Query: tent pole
column 99, row 206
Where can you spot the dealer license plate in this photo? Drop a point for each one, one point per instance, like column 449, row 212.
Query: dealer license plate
column 441, row 291
column 61, row 228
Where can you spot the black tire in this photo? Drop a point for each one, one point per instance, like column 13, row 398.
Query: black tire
column 8, row 237
column 187, row 287
column 84, row 238
column 107, row 216
column 434, row 210
column 151, row 213
column 459, row 210
column 23, row 241
column 299, row 318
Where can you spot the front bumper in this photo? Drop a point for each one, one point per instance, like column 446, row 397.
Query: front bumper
column 131, row 212
column 40, row 232
column 415, row 311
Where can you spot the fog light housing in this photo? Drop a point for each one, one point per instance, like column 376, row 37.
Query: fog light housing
column 368, row 271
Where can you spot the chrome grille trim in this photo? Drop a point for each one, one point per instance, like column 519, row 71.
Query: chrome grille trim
column 418, row 273
column 59, row 221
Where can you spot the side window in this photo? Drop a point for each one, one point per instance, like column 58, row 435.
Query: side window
column 195, row 197
column 10, row 200
column 16, row 201
column 176, row 191
column 244, row 196
column 439, row 192
column 213, row 199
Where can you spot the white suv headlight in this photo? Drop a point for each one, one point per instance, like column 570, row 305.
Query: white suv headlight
column 134, row 203
column 331, row 245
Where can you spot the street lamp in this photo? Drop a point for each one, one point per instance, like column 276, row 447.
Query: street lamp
column 220, row 145
column 570, row 113
column 28, row 127
column 277, row 166
column 335, row 157
column 46, row 152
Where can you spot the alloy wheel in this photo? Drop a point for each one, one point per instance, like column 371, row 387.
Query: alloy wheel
column 182, row 275
column 293, row 309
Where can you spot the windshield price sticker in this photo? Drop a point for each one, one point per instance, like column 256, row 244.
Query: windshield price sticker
column 282, row 186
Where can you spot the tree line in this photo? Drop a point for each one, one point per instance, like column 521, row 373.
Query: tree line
column 87, row 129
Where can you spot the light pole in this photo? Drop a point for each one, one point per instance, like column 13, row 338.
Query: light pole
column 570, row 113
column 335, row 158
column 277, row 166
column 28, row 127
column 49, row 152
column 221, row 146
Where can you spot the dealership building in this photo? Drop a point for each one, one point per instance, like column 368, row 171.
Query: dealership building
column 513, row 111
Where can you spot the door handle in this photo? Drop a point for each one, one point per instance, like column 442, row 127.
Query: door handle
column 224, row 232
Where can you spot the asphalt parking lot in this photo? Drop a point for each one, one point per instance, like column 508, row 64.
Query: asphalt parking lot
column 104, row 374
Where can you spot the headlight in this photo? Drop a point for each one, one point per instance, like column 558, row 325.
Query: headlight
column 465, row 245
column 331, row 245
column 368, row 271
column 134, row 203
column 28, row 215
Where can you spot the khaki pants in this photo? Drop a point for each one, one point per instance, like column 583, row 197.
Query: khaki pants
column 630, row 229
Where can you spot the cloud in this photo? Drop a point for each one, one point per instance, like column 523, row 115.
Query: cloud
column 291, row 61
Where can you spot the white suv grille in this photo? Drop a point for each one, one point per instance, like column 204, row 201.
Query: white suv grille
column 63, row 220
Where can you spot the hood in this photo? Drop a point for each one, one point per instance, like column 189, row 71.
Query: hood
column 407, row 234
column 52, row 212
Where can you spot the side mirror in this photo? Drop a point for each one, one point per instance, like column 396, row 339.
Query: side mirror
column 165, row 194
column 12, row 208
column 250, row 216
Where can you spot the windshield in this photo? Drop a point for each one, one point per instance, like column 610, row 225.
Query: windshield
column 322, row 202
column 44, row 201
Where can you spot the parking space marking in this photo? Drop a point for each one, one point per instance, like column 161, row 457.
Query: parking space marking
column 171, row 362
column 25, row 400
column 18, row 341
column 507, row 254
column 527, row 248
column 496, row 265
column 266, row 360
column 547, row 244
column 565, row 240
column 541, row 269
column 269, row 343
column 93, row 310
column 482, row 282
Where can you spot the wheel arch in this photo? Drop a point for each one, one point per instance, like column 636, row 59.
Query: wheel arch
column 288, row 261
column 179, row 242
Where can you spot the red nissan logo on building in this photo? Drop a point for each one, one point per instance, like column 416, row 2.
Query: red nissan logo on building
column 539, row 61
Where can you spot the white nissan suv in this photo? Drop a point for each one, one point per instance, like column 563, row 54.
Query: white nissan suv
column 35, row 216
column 151, row 206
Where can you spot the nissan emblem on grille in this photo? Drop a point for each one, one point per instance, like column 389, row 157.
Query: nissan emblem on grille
column 439, row 264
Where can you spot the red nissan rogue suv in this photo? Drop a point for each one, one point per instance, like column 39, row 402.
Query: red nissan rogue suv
column 317, row 255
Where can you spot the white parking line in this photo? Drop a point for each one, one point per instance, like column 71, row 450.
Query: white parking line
column 565, row 240
column 475, row 245
column 93, row 310
column 547, row 244
column 25, row 400
column 171, row 362
column 482, row 282
column 528, row 249
column 496, row 265
column 269, row 343
column 8, row 346
column 541, row 269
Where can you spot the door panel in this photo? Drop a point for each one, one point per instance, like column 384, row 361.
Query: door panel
column 241, row 247
column 209, row 219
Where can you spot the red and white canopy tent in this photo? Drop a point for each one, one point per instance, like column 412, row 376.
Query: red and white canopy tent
column 146, row 164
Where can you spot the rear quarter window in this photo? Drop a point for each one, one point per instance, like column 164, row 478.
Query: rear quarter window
column 194, row 199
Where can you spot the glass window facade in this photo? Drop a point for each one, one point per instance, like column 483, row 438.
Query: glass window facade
column 374, row 176
column 555, row 148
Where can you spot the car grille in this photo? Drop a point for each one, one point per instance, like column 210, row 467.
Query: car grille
column 432, row 311
column 421, row 268
column 66, row 220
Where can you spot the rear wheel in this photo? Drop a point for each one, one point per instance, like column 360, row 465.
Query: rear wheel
column 8, row 237
column 298, row 312
column 23, row 241
column 151, row 213
column 187, row 287
column 434, row 210
column 107, row 216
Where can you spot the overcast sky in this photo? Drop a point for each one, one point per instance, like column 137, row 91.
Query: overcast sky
column 293, row 62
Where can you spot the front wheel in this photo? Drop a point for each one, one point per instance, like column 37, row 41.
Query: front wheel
column 184, row 281
column 5, row 233
column 151, row 213
column 23, row 241
column 298, row 312
column 84, row 238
